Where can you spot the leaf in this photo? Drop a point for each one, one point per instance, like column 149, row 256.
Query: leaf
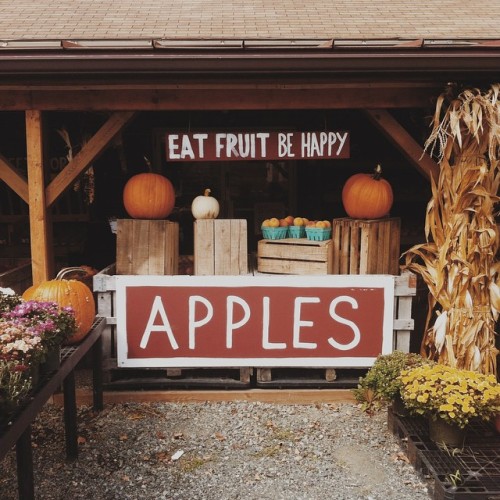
column 440, row 327
column 220, row 436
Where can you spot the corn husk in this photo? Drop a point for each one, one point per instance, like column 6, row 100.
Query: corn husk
column 458, row 260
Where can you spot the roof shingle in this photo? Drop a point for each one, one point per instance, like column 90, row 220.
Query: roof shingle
column 337, row 19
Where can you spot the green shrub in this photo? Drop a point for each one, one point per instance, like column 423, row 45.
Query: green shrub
column 380, row 385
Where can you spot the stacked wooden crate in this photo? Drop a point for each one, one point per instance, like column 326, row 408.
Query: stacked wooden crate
column 366, row 246
column 147, row 247
column 294, row 256
column 220, row 247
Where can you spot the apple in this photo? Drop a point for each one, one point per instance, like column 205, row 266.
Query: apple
column 265, row 223
column 311, row 223
column 289, row 219
column 298, row 221
column 284, row 223
column 321, row 224
column 327, row 223
column 274, row 222
column 306, row 220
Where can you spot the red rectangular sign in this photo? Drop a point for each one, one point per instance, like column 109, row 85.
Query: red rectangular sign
column 241, row 146
column 214, row 321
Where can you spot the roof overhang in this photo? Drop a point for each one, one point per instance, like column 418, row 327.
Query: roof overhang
column 456, row 59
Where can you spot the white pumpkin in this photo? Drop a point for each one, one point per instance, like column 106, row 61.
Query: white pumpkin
column 205, row 207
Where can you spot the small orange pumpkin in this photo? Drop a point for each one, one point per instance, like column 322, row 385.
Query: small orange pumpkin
column 367, row 196
column 148, row 196
column 72, row 293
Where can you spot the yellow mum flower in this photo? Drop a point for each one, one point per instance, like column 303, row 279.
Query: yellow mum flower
column 446, row 408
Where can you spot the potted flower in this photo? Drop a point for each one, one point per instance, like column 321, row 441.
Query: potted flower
column 450, row 398
column 29, row 332
column 381, row 384
column 46, row 320
column 8, row 299
column 20, row 355
column 14, row 384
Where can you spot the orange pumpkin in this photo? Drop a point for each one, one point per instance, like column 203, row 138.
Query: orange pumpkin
column 148, row 196
column 65, row 293
column 367, row 196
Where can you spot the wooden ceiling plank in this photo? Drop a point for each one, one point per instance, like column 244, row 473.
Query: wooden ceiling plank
column 14, row 179
column 40, row 233
column 92, row 149
column 397, row 134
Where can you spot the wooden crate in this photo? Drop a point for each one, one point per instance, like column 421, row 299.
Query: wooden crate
column 294, row 256
column 220, row 247
column 366, row 246
column 147, row 247
column 15, row 274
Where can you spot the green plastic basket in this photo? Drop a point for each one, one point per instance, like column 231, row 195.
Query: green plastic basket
column 297, row 231
column 318, row 233
column 274, row 233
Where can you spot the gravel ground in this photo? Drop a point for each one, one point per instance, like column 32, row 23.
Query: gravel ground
column 219, row 451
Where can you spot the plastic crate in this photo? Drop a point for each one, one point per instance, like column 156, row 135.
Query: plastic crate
column 318, row 233
column 274, row 233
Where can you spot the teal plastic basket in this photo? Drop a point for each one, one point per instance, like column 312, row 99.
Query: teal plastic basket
column 274, row 233
column 297, row 231
column 318, row 233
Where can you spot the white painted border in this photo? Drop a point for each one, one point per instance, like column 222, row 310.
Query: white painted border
column 368, row 281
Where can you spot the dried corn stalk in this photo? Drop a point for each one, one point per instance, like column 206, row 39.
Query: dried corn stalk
column 458, row 261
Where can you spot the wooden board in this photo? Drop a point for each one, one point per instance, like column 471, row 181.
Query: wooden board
column 220, row 247
column 366, row 246
column 280, row 396
column 147, row 247
column 294, row 256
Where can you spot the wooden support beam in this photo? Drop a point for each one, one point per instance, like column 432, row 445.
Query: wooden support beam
column 393, row 130
column 40, row 230
column 14, row 179
column 94, row 147
column 238, row 97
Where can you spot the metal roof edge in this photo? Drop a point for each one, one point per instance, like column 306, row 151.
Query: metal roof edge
column 243, row 44
column 323, row 57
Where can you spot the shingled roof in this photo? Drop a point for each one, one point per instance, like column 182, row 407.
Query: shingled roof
column 447, row 38
column 282, row 19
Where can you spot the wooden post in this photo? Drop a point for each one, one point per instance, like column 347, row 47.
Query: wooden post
column 40, row 230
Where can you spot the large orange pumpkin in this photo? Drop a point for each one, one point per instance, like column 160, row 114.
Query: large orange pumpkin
column 148, row 196
column 367, row 196
column 65, row 293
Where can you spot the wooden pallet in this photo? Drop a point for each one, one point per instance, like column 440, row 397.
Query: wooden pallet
column 156, row 378
column 308, row 377
column 294, row 256
column 403, row 324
